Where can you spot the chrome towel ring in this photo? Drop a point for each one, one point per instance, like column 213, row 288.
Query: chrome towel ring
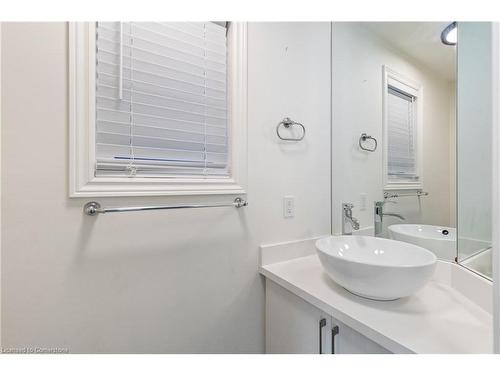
column 364, row 137
column 287, row 122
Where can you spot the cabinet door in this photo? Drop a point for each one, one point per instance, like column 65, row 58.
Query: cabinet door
column 294, row 326
column 349, row 341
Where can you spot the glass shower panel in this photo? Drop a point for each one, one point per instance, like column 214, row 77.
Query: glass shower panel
column 474, row 151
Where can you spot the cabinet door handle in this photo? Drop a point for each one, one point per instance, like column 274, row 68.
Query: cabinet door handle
column 335, row 332
column 322, row 323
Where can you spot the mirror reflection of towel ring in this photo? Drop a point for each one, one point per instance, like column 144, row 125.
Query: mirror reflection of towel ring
column 288, row 123
column 364, row 137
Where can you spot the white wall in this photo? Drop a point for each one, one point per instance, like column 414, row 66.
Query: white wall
column 357, row 60
column 178, row 281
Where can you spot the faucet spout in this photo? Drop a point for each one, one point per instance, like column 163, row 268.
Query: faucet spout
column 401, row 217
column 378, row 216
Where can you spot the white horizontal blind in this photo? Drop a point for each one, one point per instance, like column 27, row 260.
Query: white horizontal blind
column 161, row 106
column 402, row 162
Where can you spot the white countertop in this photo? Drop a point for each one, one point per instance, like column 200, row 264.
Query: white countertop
column 436, row 319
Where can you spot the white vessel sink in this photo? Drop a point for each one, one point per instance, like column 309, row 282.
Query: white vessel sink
column 376, row 268
column 440, row 240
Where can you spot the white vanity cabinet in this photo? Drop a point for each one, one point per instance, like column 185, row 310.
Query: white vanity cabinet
column 294, row 326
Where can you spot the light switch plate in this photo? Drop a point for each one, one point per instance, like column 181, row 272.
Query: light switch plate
column 288, row 206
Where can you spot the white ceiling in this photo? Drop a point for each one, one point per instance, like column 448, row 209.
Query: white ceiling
column 420, row 41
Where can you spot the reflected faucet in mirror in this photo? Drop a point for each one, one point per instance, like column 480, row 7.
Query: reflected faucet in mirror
column 379, row 214
column 348, row 222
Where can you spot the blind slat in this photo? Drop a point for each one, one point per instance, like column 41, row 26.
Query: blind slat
column 109, row 80
column 141, row 106
column 131, row 153
column 141, row 112
column 146, row 61
column 152, row 76
column 161, row 49
column 111, row 56
column 111, row 91
column 207, row 44
column 124, row 116
column 124, row 128
column 158, row 142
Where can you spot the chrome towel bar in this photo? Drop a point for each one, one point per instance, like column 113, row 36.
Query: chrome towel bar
column 94, row 208
column 418, row 193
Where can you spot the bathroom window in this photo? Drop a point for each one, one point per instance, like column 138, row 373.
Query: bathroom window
column 157, row 108
column 402, row 134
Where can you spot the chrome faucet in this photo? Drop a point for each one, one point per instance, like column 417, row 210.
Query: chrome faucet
column 379, row 214
column 348, row 222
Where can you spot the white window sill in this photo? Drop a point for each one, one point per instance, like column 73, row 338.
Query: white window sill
column 124, row 187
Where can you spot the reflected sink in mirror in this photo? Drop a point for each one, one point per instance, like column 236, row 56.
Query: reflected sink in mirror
column 376, row 268
column 442, row 241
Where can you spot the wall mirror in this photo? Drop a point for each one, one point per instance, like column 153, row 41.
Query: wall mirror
column 422, row 91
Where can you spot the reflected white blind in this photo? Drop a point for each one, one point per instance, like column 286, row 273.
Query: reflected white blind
column 161, row 106
column 401, row 134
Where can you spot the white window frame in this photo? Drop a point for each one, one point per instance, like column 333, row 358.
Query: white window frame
column 417, row 91
column 82, row 180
